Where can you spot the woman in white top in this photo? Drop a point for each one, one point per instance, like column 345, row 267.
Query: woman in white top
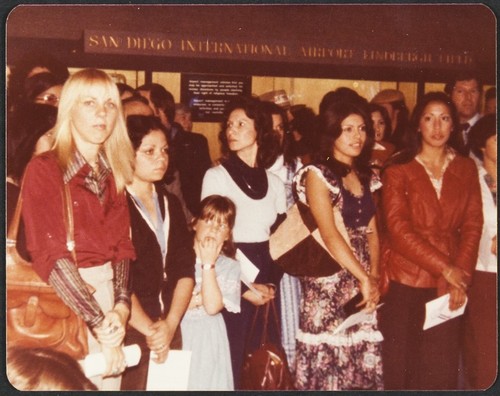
column 249, row 146
column 481, row 313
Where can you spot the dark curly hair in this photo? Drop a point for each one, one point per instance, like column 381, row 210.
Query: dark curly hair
column 25, row 127
column 22, row 68
column 40, row 82
column 287, row 147
column 139, row 126
column 267, row 141
column 463, row 75
column 161, row 99
column 480, row 132
column 373, row 108
column 330, row 129
column 414, row 138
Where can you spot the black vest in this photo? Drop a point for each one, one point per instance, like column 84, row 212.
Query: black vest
column 147, row 276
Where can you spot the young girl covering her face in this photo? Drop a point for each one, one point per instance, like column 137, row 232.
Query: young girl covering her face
column 217, row 286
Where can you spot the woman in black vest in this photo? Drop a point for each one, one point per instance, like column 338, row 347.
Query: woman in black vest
column 162, row 276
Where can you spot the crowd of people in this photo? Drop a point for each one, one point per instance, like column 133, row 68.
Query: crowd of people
column 406, row 203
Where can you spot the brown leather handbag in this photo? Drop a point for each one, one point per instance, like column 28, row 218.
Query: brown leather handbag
column 266, row 368
column 36, row 316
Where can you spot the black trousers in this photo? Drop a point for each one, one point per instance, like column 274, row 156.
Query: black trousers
column 415, row 359
column 238, row 324
column 480, row 332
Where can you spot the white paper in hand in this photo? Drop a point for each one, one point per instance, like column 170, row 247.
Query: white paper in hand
column 354, row 319
column 248, row 269
column 438, row 311
column 171, row 375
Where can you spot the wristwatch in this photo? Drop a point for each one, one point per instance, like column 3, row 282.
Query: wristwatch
column 207, row 266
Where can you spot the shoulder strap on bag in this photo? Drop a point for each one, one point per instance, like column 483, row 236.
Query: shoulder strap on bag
column 68, row 221
column 263, row 337
column 270, row 305
column 13, row 230
column 14, row 224
column 252, row 329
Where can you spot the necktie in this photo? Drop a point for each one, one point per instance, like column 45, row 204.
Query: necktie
column 465, row 129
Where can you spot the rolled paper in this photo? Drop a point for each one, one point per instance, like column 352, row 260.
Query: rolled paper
column 95, row 363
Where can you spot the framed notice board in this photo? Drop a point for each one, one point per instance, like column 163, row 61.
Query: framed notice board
column 208, row 94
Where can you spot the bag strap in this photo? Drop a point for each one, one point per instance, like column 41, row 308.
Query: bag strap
column 69, row 224
column 69, row 221
column 269, row 306
column 276, row 321
column 252, row 329
column 14, row 224
column 263, row 338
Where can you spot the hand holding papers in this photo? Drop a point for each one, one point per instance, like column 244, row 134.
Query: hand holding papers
column 438, row 311
column 248, row 271
column 95, row 363
column 354, row 319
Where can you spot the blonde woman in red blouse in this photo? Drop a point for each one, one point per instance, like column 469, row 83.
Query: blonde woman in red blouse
column 92, row 154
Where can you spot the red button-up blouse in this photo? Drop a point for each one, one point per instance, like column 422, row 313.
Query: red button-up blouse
column 101, row 229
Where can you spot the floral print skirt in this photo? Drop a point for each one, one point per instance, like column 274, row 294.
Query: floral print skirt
column 348, row 360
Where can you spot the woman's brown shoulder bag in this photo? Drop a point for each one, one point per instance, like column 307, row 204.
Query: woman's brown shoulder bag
column 36, row 316
column 266, row 368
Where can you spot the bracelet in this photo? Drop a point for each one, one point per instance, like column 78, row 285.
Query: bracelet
column 207, row 266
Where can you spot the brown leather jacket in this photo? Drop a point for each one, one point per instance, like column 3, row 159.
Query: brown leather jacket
column 425, row 234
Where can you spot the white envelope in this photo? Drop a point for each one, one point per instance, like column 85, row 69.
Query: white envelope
column 171, row 375
column 437, row 311
column 248, row 269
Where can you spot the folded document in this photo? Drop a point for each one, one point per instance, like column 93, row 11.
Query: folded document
column 438, row 311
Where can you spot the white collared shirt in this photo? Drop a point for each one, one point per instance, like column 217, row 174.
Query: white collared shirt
column 486, row 260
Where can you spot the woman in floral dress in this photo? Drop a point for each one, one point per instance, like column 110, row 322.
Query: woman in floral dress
column 337, row 187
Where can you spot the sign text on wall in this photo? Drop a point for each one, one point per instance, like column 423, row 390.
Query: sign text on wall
column 171, row 45
column 207, row 95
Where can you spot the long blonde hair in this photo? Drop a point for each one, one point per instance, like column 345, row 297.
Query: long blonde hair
column 117, row 147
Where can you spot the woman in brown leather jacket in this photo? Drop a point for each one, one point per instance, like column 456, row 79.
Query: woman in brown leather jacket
column 431, row 204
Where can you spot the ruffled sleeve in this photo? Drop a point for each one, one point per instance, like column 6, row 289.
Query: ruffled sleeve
column 324, row 174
